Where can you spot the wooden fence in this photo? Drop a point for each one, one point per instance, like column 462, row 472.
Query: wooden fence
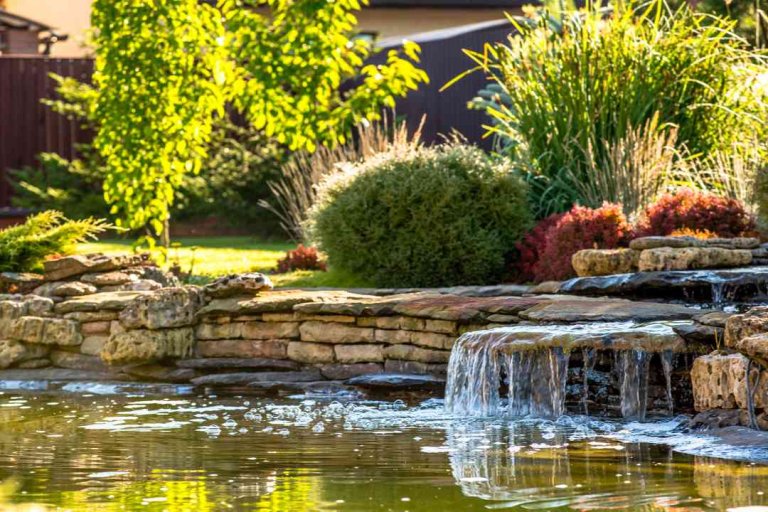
column 27, row 127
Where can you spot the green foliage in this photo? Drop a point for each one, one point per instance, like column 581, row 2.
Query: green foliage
column 23, row 248
column 233, row 179
column 166, row 68
column 74, row 188
column 570, row 92
column 160, row 72
column 429, row 217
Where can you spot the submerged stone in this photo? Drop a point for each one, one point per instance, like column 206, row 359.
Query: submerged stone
column 396, row 381
column 234, row 362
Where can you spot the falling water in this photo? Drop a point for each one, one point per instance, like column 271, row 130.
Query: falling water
column 534, row 360
column 588, row 355
column 667, row 360
column 633, row 367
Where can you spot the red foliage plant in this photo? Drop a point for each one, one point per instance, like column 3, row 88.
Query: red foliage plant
column 580, row 228
column 690, row 209
column 530, row 247
column 301, row 258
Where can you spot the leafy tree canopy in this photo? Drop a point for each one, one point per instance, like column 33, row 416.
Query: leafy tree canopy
column 166, row 69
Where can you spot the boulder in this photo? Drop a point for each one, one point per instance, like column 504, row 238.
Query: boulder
column 235, row 285
column 691, row 258
column 46, row 331
column 719, row 382
column 602, row 262
column 75, row 361
column 163, row 309
column 11, row 352
column 144, row 346
column 738, row 327
column 72, row 266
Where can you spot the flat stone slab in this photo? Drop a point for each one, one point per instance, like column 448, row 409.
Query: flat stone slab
column 274, row 302
column 71, row 266
column 678, row 242
column 244, row 378
column 109, row 301
column 61, row 374
column 606, row 310
column 628, row 284
column 215, row 363
column 396, row 382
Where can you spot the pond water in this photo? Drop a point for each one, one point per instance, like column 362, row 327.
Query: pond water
column 91, row 451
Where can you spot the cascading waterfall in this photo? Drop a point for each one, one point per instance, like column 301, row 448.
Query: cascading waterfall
column 534, row 360
column 633, row 371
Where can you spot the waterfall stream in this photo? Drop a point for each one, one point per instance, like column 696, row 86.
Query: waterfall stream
column 530, row 362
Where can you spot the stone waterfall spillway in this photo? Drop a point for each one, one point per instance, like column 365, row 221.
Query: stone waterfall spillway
column 534, row 361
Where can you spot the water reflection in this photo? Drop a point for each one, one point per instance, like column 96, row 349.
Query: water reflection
column 75, row 452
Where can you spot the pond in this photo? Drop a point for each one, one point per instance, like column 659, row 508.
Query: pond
column 96, row 450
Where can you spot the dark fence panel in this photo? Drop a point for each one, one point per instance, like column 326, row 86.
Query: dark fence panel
column 27, row 127
column 443, row 59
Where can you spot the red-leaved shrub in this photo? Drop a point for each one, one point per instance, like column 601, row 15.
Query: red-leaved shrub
column 529, row 249
column 581, row 228
column 301, row 258
column 690, row 209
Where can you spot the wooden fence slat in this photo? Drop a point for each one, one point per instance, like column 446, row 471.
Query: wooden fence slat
column 27, row 127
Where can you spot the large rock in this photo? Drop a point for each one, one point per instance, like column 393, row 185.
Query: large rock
column 738, row 327
column 691, row 258
column 71, row 266
column 347, row 371
column 143, row 346
column 11, row 352
column 163, row 309
column 603, row 262
column 235, row 285
column 115, row 278
column 719, row 382
column 46, row 331
column 75, row 361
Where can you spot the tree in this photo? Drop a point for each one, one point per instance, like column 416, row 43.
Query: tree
column 165, row 69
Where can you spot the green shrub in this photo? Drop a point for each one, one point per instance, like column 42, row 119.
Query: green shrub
column 23, row 248
column 430, row 217
column 593, row 92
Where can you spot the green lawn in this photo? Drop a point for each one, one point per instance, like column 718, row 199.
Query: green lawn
column 216, row 256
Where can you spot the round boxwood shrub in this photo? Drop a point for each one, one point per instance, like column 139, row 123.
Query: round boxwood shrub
column 440, row 216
